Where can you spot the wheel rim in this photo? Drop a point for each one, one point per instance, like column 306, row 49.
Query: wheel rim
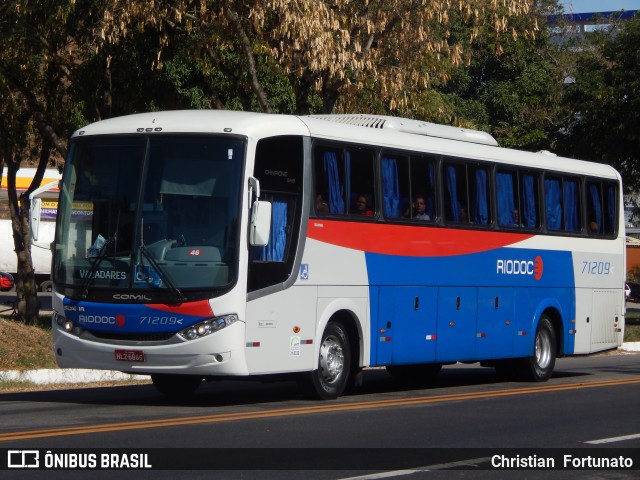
column 331, row 359
column 543, row 349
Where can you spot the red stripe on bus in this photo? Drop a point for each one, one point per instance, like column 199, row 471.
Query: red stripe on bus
column 409, row 241
column 200, row 308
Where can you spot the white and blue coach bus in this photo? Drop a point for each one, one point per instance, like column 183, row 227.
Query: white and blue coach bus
column 230, row 244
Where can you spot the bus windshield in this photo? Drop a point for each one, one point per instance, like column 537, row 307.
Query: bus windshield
column 150, row 213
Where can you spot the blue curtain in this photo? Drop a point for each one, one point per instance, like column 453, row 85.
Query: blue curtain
column 390, row 187
column 336, row 201
column 553, row 200
column 453, row 193
column 529, row 207
column 506, row 203
column 480, row 214
column 571, row 206
column 594, row 195
column 611, row 210
column 274, row 251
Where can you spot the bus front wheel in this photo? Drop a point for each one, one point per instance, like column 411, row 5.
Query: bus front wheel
column 330, row 378
column 176, row 386
column 539, row 366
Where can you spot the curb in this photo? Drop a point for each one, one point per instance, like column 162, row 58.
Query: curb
column 66, row 375
column 630, row 347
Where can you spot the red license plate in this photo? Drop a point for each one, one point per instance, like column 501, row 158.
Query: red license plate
column 129, row 355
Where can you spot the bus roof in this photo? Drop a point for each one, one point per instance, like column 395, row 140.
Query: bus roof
column 198, row 121
column 390, row 132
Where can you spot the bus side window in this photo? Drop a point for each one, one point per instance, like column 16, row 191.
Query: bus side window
column 529, row 200
column 361, row 179
column 507, row 197
column 610, row 210
column 571, row 194
column 396, row 192
column 455, row 193
column 344, row 181
column 329, row 181
column 601, row 208
column 553, row 202
column 405, row 182
column 423, row 183
column 479, row 195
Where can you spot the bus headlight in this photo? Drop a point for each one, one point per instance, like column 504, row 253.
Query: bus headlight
column 207, row 327
column 67, row 325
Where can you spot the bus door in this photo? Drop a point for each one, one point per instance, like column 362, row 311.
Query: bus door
column 457, row 309
column 406, row 332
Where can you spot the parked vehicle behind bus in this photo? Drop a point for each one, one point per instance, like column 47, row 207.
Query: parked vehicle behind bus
column 44, row 207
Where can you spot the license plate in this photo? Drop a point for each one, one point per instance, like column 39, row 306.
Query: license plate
column 129, row 355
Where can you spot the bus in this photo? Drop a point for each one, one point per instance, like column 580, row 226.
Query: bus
column 222, row 244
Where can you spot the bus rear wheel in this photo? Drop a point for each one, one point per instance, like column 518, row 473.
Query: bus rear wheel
column 330, row 379
column 539, row 366
column 176, row 386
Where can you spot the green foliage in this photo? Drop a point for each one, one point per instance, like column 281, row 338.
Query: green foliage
column 515, row 95
column 605, row 102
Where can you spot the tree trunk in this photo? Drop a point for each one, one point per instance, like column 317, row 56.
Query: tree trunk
column 26, row 289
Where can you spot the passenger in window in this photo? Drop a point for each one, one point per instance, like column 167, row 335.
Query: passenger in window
column 418, row 209
column 321, row 205
column 362, row 206
column 593, row 227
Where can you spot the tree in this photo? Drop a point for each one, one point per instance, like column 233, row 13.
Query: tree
column 605, row 102
column 26, row 132
column 327, row 50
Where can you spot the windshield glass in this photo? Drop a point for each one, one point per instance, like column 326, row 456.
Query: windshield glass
column 158, row 212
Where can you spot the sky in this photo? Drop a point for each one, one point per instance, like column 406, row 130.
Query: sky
column 588, row 6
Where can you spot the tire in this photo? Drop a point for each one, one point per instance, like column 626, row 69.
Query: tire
column 414, row 374
column 176, row 386
column 330, row 379
column 539, row 366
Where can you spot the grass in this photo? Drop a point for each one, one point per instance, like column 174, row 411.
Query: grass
column 632, row 327
column 25, row 347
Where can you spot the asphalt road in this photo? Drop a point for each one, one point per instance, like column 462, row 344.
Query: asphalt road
column 449, row 429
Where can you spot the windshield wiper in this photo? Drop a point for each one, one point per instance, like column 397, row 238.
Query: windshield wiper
column 163, row 275
column 102, row 254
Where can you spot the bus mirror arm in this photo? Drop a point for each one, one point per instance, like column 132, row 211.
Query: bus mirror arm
column 260, row 223
column 260, row 227
column 254, row 185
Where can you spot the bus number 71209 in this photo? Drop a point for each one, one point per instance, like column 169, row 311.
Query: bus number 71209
column 596, row 268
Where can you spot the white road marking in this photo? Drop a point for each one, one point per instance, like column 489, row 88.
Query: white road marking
column 400, row 473
column 614, row 439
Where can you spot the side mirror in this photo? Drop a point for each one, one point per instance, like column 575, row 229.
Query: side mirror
column 260, row 227
column 36, row 212
column 36, row 209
